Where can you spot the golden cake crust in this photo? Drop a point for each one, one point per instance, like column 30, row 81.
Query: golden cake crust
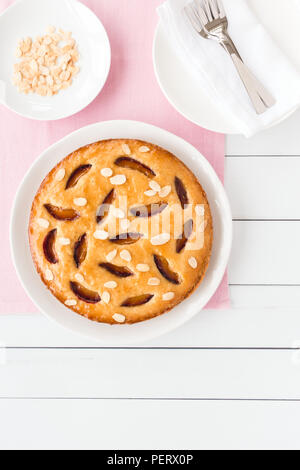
column 73, row 258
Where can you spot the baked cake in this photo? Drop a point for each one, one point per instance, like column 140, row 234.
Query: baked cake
column 121, row 231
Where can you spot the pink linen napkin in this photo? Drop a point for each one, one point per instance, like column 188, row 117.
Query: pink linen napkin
column 131, row 92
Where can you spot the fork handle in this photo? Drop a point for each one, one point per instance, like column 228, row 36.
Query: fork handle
column 261, row 99
column 229, row 46
column 259, row 95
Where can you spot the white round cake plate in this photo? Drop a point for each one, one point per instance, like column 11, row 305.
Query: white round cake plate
column 140, row 332
column 32, row 18
column 182, row 89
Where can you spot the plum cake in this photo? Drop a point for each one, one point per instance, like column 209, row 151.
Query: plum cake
column 121, row 231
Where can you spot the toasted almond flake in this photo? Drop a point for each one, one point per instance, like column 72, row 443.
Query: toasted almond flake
column 118, row 213
column 65, row 59
column 17, row 77
column 51, row 29
column 48, row 41
column 144, row 149
column 49, row 275
column 64, row 241
column 44, row 70
column 125, row 224
column 71, row 42
column 42, row 51
column 150, row 193
column 79, row 277
column 119, row 318
column 101, row 235
column 43, row 223
column 76, row 70
column 71, row 303
column 126, row 149
column 125, row 255
column 64, row 76
column 60, row 174
column 154, row 281
column 193, row 263
column 110, row 256
column 118, row 180
column 80, row 201
column 202, row 227
column 200, row 210
column 106, row 297
column 143, row 268
column 168, row 296
column 34, row 66
column 160, row 239
column 41, row 91
column 19, row 52
column 110, row 285
column 50, row 82
column 165, row 191
column 155, row 186
column 106, row 172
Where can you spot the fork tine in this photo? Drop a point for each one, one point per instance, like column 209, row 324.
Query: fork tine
column 214, row 9
column 221, row 8
column 190, row 12
column 207, row 9
column 202, row 19
column 201, row 13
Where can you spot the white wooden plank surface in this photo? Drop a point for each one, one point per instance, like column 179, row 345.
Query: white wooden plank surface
column 283, row 139
column 167, row 374
column 265, row 253
column 263, row 187
column 246, row 327
column 280, row 300
column 109, row 425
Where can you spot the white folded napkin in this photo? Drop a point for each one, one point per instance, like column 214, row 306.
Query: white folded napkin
column 216, row 73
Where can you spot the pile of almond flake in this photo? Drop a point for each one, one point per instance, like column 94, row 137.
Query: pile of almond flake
column 46, row 65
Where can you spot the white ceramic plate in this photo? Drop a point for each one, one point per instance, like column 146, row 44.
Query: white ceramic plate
column 31, row 18
column 182, row 89
column 121, row 334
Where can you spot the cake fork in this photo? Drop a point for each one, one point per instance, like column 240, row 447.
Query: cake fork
column 209, row 19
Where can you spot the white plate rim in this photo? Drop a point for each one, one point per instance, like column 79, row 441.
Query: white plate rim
column 140, row 332
column 92, row 98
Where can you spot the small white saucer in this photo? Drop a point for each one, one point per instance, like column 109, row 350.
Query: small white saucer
column 31, row 18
